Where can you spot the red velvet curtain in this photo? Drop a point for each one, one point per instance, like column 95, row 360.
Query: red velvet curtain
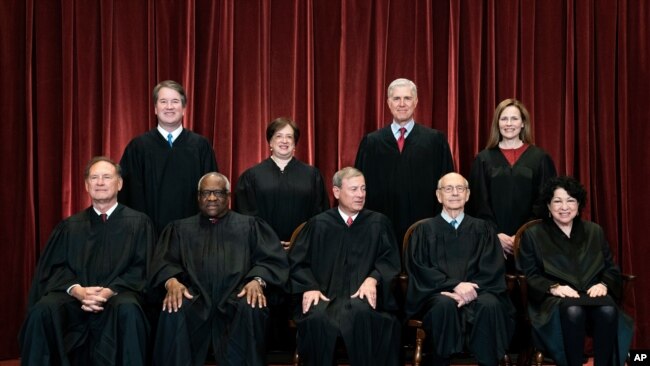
column 77, row 76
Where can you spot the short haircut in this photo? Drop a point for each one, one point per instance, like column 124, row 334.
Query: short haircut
column 345, row 173
column 441, row 178
column 97, row 159
column 571, row 185
column 278, row 124
column 171, row 84
column 526, row 133
column 402, row 82
column 218, row 175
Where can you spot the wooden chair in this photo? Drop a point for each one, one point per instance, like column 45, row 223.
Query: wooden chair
column 420, row 334
column 537, row 354
column 292, row 324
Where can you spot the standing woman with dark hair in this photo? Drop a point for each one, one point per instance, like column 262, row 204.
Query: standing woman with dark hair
column 573, row 282
column 282, row 190
column 507, row 175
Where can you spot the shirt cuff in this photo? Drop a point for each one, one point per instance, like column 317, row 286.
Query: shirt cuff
column 261, row 281
column 69, row 290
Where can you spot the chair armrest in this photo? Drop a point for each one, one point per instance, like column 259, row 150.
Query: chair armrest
column 523, row 290
column 511, row 282
column 403, row 279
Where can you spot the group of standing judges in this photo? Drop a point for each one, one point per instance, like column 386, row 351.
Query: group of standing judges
column 172, row 243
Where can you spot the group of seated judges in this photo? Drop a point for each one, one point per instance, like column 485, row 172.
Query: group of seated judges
column 218, row 277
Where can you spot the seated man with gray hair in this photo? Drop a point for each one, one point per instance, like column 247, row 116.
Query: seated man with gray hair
column 214, row 267
column 85, row 303
column 342, row 265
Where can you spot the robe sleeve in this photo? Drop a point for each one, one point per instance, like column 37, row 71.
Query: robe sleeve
column 167, row 260
column 208, row 159
column 446, row 160
column 52, row 273
column 321, row 199
column 387, row 265
column 491, row 264
column 546, row 171
column 360, row 161
column 611, row 274
column 135, row 276
column 245, row 197
column 425, row 276
column 133, row 191
column 479, row 206
column 269, row 261
column 530, row 263
column 301, row 275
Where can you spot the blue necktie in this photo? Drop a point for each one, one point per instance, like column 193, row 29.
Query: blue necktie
column 169, row 139
column 454, row 224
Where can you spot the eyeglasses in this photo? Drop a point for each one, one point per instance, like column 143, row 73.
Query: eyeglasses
column 217, row 193
column 449, row 189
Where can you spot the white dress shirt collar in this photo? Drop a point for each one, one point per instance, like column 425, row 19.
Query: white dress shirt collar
column 108, row 212
column 174, row 133
column 345, row 217
column 396, row 126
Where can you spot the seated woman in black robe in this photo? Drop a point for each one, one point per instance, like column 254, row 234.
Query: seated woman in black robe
column 573, row 283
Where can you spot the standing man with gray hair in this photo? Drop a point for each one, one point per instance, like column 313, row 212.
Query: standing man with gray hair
column 402, row 162
column 161, row 167
column 343, row 264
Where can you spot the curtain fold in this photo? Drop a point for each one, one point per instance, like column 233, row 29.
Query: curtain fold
column 78, row 75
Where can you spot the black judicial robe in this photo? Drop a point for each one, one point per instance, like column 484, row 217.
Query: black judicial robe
column 82, row 249
column 160, row 180
column 335, row 259
column 402, row 185
column 547, row 256
column 284, row 199
column 439, row 258
column 503, row 194
column 215, row 261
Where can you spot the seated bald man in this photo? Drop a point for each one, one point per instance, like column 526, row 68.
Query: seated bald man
column 457, row 280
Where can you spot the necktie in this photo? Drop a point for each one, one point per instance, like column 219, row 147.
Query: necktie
column 104, row 217
column 213, row 220
column 169, row 139
column 454, row 224
column 400, row 140
column 350, row 221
